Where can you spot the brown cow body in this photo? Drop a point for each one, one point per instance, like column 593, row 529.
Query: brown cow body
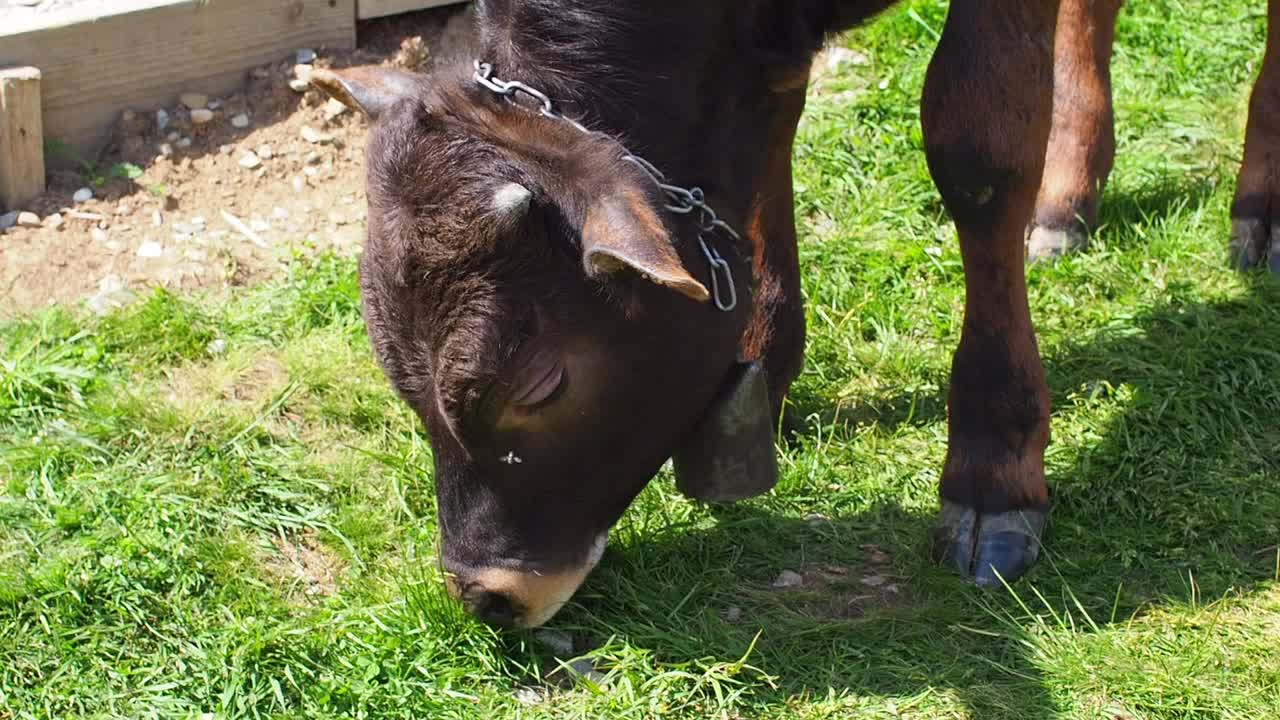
column 529, row 296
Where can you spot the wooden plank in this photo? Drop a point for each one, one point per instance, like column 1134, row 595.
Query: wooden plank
column 21, row 137
column 142, row 53
column 366, row 9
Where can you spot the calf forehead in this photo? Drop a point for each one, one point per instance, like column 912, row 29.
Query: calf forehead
column 421, row 167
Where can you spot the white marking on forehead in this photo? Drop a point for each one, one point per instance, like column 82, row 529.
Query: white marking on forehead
column 512, row 199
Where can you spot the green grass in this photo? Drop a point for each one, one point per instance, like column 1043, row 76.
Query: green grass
column 160, row 492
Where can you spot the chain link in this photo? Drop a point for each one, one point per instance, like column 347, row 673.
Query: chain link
column 680, row 200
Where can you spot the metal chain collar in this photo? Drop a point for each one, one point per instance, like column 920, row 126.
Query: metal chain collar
column 680, row 200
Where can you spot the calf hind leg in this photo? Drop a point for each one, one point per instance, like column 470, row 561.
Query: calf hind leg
column 985, row 112
column 1082, row 143
column 1255, row 214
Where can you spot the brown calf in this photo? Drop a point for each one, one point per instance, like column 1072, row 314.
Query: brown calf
column 531, row 297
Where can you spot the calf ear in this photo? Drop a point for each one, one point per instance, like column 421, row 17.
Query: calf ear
column 622, row 233
column 368, row 88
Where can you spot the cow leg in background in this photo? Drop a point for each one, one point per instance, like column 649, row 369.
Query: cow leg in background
column 986, row 111
column 1082, row 142
column 1255, row 214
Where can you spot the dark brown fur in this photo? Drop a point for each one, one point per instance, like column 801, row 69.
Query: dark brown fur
column 460, row 302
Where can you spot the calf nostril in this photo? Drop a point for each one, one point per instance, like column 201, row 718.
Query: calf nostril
column 495, row 609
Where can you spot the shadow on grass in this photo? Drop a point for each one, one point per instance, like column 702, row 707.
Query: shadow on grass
column 1158, row 197
column 1175, row 478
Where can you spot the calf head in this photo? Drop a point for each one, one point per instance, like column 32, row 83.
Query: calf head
column 525, row 295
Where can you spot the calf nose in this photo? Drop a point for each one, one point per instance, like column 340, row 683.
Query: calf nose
column 522, row 598
column 493, row 608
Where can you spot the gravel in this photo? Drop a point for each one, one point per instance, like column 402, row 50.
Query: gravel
column 788, row 579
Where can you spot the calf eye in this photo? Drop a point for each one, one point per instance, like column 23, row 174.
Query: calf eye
column 538, row 380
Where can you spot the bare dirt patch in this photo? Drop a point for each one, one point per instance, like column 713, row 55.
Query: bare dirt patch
column 174, row 193
column 244, row 383
column 307, row 571
column 843, row 592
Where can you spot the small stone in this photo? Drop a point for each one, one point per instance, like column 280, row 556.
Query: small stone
column 184, row 143
column 150, row 249
column 55, row 221
column 279, row 213
column 165, row 149
column 305, row 56
column 240, row 121
column 315, row 137
column 201, row 116
column 217, row 347
column 298, row 85
column 302, row 72
column 873, row 580
column 8, row 220
column 173, row 136
column 124, row 208
column 313, row 158
column 838, row 56
column 28, row 219
column 587, row 670
column 84, row 194
column 733, row 615
column 816, row 520
column 529, row 696
column 225, row 149
column 298, row 184
column 112, row 293
column 250, row 160
column 162, row 120
column 110, row 284
column 334, row 108
column 157, row 218
column 310, row 171
column 559, row 642
column 199, row 221
column 214, row 104
column 788, row 579
column 98, row 235
column 194, row 101
column 266, row 152
column 337, row 218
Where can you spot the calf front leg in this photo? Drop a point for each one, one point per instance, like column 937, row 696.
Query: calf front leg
column 1082, row 144
column 986, row 108
column 1255, row 214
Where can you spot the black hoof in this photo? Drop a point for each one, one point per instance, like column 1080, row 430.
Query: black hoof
column 1250, row 241
column 992, row 549
column 1249, row 244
